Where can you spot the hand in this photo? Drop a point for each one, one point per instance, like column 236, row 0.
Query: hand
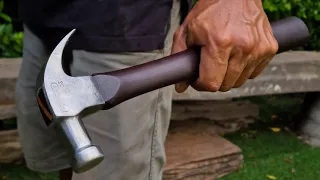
column 236, row 42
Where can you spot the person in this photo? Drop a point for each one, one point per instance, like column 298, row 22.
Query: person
column 236, row 42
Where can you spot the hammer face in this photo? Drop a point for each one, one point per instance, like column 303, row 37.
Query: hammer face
column 85, row 154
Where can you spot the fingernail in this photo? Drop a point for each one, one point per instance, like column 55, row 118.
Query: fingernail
column 225, row 88
column 178, row 88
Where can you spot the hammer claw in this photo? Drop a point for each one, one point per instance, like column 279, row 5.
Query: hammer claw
column 55, row 59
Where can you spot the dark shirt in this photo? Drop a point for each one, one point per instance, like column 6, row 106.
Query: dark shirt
column 101, row 25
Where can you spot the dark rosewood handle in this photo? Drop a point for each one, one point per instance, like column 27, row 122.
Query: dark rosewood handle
column 118, row 86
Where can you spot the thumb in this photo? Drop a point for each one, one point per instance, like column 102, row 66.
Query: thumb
column 180, row 44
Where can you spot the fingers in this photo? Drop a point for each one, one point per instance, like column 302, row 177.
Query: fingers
column 181, row 87
column 213, row 67
column 214, row 56
column 247, row 72
column 180, row 44
column 235, row 67
column 258, row 70
column 262, row 54
column 241, row 58
column 271, row 46
column 255, row 57
column 179, row 40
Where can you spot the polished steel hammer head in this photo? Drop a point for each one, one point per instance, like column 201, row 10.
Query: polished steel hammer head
column 63, row 100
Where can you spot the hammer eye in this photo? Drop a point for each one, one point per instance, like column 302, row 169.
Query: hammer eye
column 43, row 106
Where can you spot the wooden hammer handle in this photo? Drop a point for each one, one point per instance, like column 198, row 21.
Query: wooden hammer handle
column 290, row 33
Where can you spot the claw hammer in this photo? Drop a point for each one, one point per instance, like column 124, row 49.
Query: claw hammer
column 63, row 100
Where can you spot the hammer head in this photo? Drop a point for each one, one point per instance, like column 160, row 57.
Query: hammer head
column 63, row 100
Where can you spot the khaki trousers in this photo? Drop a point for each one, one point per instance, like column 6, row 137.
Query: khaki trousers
column 131, row 135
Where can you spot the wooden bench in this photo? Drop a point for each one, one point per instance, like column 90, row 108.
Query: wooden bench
column 289, row 72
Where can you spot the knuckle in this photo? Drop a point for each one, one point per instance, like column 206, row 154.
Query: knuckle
column 223, row 40
column 205, row 25
column 198, row 25
column 262, row 51
column 274, row 47
column 269, row 48
column 199, row 22
column 193, row 27
column 247, row 45
column 193, row 24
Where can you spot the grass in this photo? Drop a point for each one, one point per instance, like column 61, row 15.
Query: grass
column 279, row 155
column 269, row 154
column 18, row 172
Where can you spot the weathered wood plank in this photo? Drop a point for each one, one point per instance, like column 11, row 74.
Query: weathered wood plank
column 195, row 153
column 7, row 110
column 9, row 71
column 10, row 148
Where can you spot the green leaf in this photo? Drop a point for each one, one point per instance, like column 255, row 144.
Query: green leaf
column 288, row 6
column 8, row 29
column 5, row 17
column 5, row 40
column 17, row 48
column 2, row 27
column 317, row 17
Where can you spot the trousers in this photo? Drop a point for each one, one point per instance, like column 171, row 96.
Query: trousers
column 131, row 134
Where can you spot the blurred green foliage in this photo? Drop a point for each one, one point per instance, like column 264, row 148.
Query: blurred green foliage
column 10, row 41
column 307, row 10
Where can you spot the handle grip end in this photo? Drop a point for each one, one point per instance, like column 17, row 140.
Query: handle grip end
column 290, row 32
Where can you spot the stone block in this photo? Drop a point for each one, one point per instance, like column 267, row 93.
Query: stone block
column 197, row 153
column 223, row 116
